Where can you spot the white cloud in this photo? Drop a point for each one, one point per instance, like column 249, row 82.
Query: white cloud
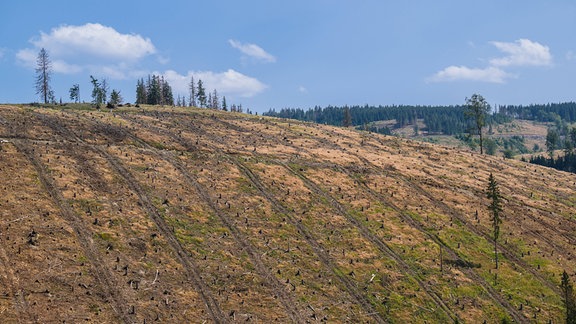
column 302, row 89
column 94, row 40
column 523, row 52
column 27, row 57
column 92, row 48
column 226, row 83
column 2, row 52
column 60, row 66
column 253, row 51
column 456, row 73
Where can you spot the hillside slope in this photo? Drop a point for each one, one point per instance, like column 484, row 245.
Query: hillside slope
column 188, row 215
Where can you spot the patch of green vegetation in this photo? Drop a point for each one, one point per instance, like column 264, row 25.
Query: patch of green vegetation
column 82, row 259
column 93, row 308
column 86, row 205
column 104, row 236
column 158, row 145
column 244, row 185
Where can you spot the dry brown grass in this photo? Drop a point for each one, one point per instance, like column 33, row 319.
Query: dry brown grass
column 281, row 221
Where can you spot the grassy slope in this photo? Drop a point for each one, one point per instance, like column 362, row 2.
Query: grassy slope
column 190, row 215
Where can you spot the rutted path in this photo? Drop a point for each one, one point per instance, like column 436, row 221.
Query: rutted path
column 287, row 301
column 319, row 251
column 107, row 283
column 8, row 278
column 382, row 246
column 505, row 250
column 190, row 266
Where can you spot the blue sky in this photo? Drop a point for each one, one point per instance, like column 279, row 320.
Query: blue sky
column 275, row 54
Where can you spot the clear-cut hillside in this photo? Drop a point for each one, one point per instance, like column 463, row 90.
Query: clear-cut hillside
column 189, row 215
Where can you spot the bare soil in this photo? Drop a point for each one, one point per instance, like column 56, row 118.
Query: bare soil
column 195, row 215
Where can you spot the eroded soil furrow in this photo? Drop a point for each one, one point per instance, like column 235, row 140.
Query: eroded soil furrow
column 415, row 224
column 505, row 250
column 190, row 266
column 16, row 293
column 107, row 283
column 319, row 251
column 377, row 242
column 383, row 247
column 287, row 301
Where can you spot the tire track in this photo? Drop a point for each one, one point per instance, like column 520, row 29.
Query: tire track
column 509, row 254
column 416, row 225
column 383, row 247
column 18, row 294
column 366, row 233
column 192, row 270
column 449, row 211
column 107, row 284
column 318, row 250
column 273, row 283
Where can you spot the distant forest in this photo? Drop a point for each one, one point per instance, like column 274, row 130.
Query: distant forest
column 565, row 162
column 447, row 120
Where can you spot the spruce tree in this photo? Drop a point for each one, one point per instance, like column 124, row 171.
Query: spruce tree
column 192, row 89
column 75, row 93
column 201, row 94
column 569, row 298
column 347, row 121
column 115, row 97
column 495, row 207
column 477, row 109
column 43, row 76
column 98, row 95
column 167, row 96
column 215, row 100
column 141, row 96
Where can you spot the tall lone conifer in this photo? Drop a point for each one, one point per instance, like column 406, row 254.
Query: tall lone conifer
column 495, row 207
column 477, row 109
column 43, row 76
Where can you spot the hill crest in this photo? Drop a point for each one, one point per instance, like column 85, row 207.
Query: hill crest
column 193, row 215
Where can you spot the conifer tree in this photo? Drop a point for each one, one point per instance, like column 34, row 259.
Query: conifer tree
column 215, row 100
column 43, row 76
column 347, row 121
column 166, row 96
column 115, row 97
column 224, row 106
column 477, row 110
column 104, row 88
column 141, row 95
column 192, row 89
column 201, row 94
column 75, row 93
column 569, row 298
column 495, row 207
column 98, row 95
